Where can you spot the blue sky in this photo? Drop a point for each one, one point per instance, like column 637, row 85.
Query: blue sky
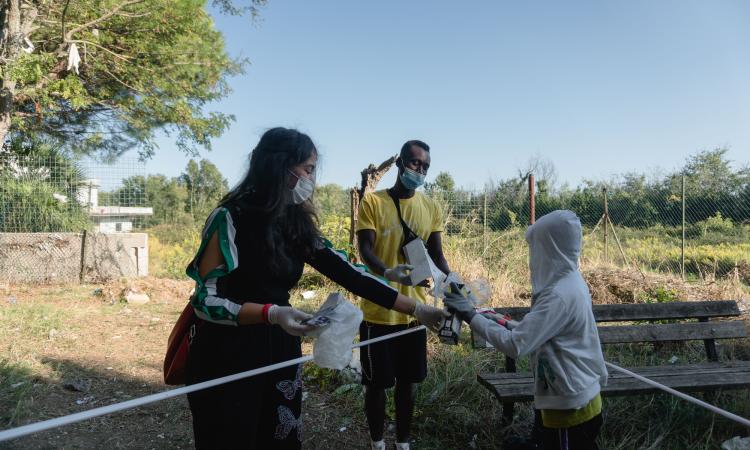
column 596, row 87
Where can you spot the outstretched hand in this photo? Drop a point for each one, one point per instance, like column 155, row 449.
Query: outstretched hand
column 399, row 274
column 289, row 319
column 462, row 305
column 429, row 316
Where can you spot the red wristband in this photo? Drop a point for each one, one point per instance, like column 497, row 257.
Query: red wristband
column 264, row 312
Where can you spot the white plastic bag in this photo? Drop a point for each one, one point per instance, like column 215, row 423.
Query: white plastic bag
column 479, row 289
column 332, row 348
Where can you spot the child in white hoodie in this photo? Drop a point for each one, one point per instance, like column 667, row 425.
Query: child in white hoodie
column 559, row 332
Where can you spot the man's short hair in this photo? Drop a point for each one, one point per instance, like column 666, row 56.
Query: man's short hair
column 408, row 145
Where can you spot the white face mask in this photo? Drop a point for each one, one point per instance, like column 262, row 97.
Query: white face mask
column 302, row 190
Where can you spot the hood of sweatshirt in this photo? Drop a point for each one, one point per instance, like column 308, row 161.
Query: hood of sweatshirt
column 554, row 248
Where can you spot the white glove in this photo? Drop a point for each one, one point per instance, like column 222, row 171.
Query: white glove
column 288, row 319
column 399, row 274
column 429, row 316
column 453, row 277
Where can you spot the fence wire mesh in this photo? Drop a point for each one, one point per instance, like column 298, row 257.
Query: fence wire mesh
column 54, row 193
column 683, row 225
column 56, row 214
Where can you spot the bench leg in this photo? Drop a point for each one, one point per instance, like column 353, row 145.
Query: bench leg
column 510, row 366
column 710, row 345
column 507, row 408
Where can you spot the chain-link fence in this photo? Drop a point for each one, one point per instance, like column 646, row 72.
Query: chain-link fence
column 54, row 193
column 683, row 225
column 64, row 219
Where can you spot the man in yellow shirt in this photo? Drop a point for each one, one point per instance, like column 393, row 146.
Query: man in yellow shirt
column 401, row 361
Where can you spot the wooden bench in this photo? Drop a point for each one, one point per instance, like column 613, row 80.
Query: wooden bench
column 511, row 386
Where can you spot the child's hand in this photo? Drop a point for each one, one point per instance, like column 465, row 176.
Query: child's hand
column 461, row 305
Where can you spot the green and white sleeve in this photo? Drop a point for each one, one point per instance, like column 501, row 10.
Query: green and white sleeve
column 207, row 303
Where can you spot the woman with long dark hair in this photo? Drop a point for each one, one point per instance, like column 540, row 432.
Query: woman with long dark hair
column 253, row 249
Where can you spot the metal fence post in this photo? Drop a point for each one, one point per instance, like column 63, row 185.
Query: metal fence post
column 81, row 274
column 484, row 229
column 532, row 205
column 682, row 253
column 605, row 221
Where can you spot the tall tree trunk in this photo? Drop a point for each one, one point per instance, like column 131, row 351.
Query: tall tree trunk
column 370, row 178
column 10, row 47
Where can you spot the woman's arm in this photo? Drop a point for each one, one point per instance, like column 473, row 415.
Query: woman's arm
column 211, row 260
column 356, row 279
column 335, row 266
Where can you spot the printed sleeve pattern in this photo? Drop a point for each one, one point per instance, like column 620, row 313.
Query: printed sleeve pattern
column 207, row 304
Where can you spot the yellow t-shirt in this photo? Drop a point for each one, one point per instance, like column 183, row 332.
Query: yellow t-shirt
column 566, row 418
column 377, row 212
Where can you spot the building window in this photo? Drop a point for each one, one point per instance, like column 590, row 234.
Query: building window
column 118, row 226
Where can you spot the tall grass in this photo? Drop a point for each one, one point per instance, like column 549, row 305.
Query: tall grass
column 171, row 248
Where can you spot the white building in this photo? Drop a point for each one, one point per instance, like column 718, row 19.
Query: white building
column 109, row 219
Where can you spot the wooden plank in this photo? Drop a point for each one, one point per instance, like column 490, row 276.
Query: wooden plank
column 650, row 311
column 518, row 387
column 662, row 311
column 621, row 334
column 672, row 332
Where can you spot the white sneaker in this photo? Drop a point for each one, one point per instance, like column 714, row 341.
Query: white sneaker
column 378, row 445
column 402, row 446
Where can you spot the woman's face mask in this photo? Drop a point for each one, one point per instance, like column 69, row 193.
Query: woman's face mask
column 302, row 190
column 411, row 179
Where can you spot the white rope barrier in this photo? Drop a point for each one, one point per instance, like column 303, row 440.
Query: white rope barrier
column 14, row 433
column 682, row 395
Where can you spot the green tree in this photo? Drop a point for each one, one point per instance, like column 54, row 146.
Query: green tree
column 144, row 66
column 168, row 198
column 38, row 190
column 332, row 200
column 711, row 186
column 709, row 173
column 205, row 187
column 132, row 193
column 443, row 183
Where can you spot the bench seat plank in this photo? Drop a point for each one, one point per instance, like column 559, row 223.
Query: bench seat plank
column 650, row 311
column 518, row 387
column 624, row 334
column 672, row 332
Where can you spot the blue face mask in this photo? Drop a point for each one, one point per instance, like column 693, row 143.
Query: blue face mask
column 411, row 179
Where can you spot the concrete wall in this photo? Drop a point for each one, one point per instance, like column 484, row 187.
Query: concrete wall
column 110, row 226
column 56, row 257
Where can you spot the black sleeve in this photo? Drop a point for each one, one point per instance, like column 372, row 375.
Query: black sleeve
column 354, row 279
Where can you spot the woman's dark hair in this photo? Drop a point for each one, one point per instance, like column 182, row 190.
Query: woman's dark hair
column 263, row 195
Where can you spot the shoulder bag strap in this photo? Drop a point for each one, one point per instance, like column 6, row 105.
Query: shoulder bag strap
column 409, row 235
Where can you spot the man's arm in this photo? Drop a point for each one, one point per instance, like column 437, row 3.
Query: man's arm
column 435, row 249
column 366, row 242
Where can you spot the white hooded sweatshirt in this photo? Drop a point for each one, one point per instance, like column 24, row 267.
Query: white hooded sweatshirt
column 560, row 331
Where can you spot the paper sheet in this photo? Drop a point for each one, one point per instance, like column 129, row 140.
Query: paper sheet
column 416, row 255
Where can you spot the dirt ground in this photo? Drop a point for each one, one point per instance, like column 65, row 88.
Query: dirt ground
column 54, row 339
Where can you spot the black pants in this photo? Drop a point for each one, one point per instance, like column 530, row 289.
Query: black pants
column 260, row 412
column 403, row 358
column 579, row 437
